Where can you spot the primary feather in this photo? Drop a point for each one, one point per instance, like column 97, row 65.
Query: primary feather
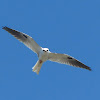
column 27, row 40
column 66, row 59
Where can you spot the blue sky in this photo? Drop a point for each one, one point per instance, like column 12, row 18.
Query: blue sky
column 64, row 26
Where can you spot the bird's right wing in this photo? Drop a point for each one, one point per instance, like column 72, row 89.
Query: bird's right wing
column 27, row 40
column 66, row 59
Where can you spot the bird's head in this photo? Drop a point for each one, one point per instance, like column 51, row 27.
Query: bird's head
column 45, row 49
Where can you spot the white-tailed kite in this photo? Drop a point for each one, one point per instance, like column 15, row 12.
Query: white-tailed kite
column 43, row 53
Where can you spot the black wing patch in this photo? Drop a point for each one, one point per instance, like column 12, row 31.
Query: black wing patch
column 19, row 35
column 24, row 35
column 69, row 57
column 77, row 63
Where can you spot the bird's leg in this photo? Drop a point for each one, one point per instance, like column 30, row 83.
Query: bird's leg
column 40, row 61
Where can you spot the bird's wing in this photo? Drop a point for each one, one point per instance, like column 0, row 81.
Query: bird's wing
column 66, row 59
column 22, row 37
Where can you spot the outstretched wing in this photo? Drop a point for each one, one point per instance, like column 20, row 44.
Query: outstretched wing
column 66, row 59
column 22, row 37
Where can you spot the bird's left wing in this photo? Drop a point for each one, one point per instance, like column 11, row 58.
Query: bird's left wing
column 22, row 37
column 66, row 59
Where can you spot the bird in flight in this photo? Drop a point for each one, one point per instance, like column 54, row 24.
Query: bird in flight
column 43, row 53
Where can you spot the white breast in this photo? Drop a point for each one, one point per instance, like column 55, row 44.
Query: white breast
column 43, row 56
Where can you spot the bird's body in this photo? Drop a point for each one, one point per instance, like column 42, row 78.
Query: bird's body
column 43, row 56
column 43, row 53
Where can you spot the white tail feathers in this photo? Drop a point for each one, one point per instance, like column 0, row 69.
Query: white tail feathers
column 37, row 66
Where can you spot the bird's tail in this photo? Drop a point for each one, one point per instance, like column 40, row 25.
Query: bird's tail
column 37, row 66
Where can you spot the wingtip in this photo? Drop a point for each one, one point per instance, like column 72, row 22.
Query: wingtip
column 3, row 27
column 89, row 69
